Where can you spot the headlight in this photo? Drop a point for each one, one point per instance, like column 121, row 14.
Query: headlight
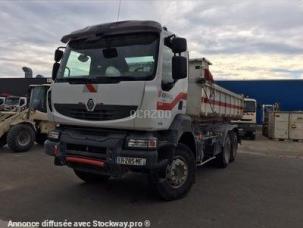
column 55, row 135
column 148, row 143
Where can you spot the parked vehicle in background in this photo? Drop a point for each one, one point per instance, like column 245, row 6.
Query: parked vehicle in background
column 126, row 97
column 2, row 101
column 248, row 123
column 15, row 104
column 21, row 129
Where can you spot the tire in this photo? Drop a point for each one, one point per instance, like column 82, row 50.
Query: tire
column 222, row 160
column 20, row 138
column 41, row 138
column 253, row 136
column 165, row 185
column 91, row 177
column 234, row 146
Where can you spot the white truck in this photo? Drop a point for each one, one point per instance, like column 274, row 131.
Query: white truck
column 15, row 103
column 126, row 97
column 248, row 123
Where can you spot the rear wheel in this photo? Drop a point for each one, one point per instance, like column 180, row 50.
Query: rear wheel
column 234, row 146
column 177, row 177
column 20, row 138
column 91, row 177
column 253, row 136
column 223, row 159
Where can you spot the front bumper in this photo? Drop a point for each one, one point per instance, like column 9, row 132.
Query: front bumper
column 80, row 150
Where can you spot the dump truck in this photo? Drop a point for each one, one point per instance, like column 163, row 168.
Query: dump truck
column 20, row 129
column 126, row 97
column 248, row 123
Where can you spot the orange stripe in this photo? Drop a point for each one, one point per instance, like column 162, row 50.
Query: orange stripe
column 220, row 103
column 171, row 105
column 183, row 96
column 85, row 161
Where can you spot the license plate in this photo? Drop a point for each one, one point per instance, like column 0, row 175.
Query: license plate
column 131, row 161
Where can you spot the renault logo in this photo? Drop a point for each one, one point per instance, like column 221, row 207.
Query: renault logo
column 90, row 105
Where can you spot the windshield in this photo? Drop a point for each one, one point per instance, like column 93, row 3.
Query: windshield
column 38, row 98
column 12, row 101
column 249, row 106
column 268, row 108
column 123, row 57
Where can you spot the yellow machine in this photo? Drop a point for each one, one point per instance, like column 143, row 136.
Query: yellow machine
column 21, row 129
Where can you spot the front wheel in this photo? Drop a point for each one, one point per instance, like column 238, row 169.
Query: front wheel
column 20, row 138
column 253, row 136
column 91, row 177
column 177, row 177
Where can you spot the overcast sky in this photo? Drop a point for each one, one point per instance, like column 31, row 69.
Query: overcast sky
column 244, row 39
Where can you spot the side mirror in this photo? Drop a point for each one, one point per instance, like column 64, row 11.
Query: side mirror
column 55, row 70
column 179, row 67
column 178, row 45
column 58, row 55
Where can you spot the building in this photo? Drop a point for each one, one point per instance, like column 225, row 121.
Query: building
column 287, row 93
column 18, row 86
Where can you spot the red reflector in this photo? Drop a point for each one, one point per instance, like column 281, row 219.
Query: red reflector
column 85, row 161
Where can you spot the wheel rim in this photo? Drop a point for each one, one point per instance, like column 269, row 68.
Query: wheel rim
column 23, row 138
column 177, row 172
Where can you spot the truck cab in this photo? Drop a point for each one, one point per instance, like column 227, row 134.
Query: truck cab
column 15, row 103
column 119, row 99
column 248, row 123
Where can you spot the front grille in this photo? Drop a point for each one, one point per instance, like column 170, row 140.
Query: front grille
column 101, row 112
column 84, row 148
column 86, row 151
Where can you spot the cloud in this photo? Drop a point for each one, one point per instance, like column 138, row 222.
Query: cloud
column 244, row 39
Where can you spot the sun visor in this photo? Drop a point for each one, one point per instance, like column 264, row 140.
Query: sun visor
column 115, row 28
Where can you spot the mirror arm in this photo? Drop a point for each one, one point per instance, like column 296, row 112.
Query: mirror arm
column 168, row 39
